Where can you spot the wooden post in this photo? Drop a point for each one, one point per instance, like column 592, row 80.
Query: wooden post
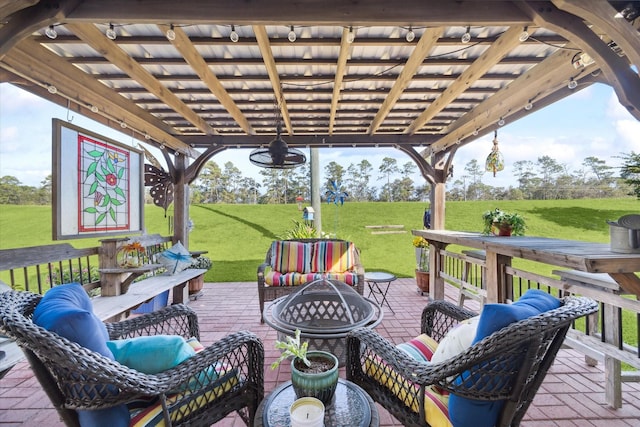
column 436, row 290
column 612, row 366
column 316, row 202
column 110, row 283
column 497, row 280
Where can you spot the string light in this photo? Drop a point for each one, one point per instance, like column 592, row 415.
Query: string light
column 171, row 34
column 123, row 125
column 51, row 32
column 501, row 122
column 234, row 36
column 94, row 108
column 52, row 89
column 475, row 132
column 572, row 84
column 524, row 35
column 466, row 37
column 528, row 106
column 410, row 35
column 292, row 35
column 111, row 33
column 351, row 36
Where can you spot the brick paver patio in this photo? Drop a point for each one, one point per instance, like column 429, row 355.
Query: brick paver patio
column 571, row 395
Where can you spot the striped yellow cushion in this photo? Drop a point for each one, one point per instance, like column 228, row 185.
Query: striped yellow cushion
column 333, row 256
column 435, row 403
column 287, row 256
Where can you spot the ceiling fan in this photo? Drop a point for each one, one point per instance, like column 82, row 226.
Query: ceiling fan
column 277, row 155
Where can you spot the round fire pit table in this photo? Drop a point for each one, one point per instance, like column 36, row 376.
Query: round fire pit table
column 324, row 311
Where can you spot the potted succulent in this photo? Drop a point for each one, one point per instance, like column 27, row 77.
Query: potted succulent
column 313, row 373
column 501, row 223
column 422, row 263
column 196, row 284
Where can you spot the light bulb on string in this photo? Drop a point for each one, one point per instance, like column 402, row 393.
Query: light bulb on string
column 51, row 32
column 466, row 37
column 475, row 132
column 111, row 33
column 292, row 35
column 234, row 36
column 572, row 83
column 123, row 125
column 52, row 89
column 501, row 122
column 528, row 106
column 94, row 108
column 351, row 36
column 411, row 36
column 524, row 35
column 171, row 34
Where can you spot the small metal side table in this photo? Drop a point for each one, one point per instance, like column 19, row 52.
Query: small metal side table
column 379, row 283
column 351, row 407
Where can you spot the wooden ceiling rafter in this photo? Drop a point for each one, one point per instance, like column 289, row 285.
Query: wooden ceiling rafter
column 35, row 62
column 341, row 65
column 270, row 63
column 118, row 57
column 505, row 43
column 423, row 47
column 200, row 67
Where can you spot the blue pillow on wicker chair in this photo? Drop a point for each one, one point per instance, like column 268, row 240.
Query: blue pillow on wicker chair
column 465, row 412
column 67, row 311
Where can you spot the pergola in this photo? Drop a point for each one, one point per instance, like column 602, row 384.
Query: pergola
column 425, row 77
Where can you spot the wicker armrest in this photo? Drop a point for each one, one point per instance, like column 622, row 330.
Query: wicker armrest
column 172, row 320
column 440, row 316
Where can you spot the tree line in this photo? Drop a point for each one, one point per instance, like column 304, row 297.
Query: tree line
column 543, row 179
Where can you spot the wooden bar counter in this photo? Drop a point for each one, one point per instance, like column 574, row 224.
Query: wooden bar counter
column 582, row 256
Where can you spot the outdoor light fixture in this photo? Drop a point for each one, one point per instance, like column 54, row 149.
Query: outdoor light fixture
column 572, row 84
column 524, row 35
column 466, row 37
column 51, row 32
column 410, row 35
column 292, row 35
column 495, row 161
column 111, row 33
column 351, row 36
column 171, row 34
column 234, row 36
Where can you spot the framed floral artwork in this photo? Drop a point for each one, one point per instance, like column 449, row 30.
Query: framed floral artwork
column 97, row 184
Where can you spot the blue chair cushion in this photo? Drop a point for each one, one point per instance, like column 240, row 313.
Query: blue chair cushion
column 67, row 311
column 465, row 412
column 151, row 354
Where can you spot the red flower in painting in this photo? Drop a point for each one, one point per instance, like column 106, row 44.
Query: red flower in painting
column 111, row 179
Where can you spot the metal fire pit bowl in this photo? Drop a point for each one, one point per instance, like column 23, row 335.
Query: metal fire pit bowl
column 325, row 311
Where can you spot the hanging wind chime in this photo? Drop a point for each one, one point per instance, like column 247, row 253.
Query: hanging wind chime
column 495, row 161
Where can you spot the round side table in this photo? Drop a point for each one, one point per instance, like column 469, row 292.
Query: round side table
column 379, row 283
column 351, row 406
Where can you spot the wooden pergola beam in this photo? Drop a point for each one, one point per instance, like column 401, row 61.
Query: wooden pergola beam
column 199, row 65
column 90, row 34
column 270, row 63
column 30, row 60
column 423, row 47
column 341, row 67
column 507, row 41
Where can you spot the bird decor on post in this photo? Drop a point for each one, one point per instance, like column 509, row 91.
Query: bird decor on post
column 495, row 161
column 335, row 195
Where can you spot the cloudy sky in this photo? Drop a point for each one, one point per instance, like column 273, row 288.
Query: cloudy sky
column 588, row 123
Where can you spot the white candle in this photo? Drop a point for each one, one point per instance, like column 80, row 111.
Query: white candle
column 307, row 412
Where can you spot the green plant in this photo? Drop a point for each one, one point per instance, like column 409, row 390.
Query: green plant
column 292, row 347
column 499, row 218
column 201, row 262
column 300, row 230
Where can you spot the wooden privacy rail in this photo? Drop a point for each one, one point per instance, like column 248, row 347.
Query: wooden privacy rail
column 386, row 229
column 604, row 342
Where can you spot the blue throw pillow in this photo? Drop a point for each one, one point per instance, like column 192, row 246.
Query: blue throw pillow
column 465, row 412
column 152, row 354
column 67, row 311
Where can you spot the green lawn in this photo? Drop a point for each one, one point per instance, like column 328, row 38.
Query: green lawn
column 237, row 236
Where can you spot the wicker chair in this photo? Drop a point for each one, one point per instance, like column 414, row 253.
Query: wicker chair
column 530, row 344
column 75, row 377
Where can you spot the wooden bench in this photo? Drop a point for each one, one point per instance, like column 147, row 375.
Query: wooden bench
column 38, row 268
column 604, row 344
